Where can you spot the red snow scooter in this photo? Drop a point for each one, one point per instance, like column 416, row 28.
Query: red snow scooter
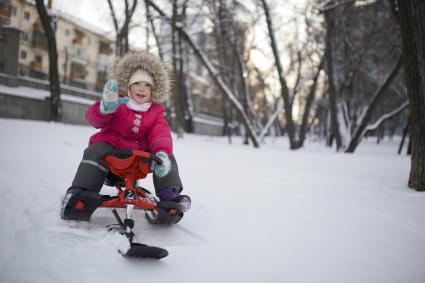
column 126, row 168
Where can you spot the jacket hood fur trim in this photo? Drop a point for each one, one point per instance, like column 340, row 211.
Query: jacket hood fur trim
column 125, row 67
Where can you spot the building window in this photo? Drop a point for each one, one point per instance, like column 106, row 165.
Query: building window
column 105, row 48
column 24, row 35
column 13, row 11
column 101, row 78
column 37, row 63
column 79, row 35
column 78, row 71
column 27, row 15
column 38, row 58
column 23, row 54
column 39, row 40
column 67, row 32
column 5, row 9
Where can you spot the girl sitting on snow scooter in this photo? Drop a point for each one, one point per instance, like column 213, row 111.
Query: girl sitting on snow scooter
column 135, row 121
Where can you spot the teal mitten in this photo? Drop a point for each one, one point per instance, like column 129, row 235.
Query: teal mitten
column 110, row 100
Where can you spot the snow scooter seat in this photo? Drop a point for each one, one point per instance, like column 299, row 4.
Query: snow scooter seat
column 126, row 167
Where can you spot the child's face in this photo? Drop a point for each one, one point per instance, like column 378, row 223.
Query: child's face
column 141, row 92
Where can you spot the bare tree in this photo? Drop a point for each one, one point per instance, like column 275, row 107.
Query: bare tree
column 309, row 103
column 296, row 137
column 361, row 42
column 181, row 98
column 49, row 30
column 290, row 127
column 214, row 74
column 230, row 34
column 150, row 20
column 217, row 9
column 412, row 22
column 335, row 127
column 121, row 43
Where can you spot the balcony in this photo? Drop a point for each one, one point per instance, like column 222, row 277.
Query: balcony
column 101, row 78
column 39, row 40
column 103, row 62
column 5, row 11
column 77, row 75
column 38, row 26
column 78, row 41
column 77, row 54
column 78, row 71
column 36, row 65
column 78, row 37
column 105, row 49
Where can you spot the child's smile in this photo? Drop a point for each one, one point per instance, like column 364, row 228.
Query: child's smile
column 141, row 95
column 140, row 92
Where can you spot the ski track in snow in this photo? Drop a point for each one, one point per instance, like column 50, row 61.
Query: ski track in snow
column 267, row 215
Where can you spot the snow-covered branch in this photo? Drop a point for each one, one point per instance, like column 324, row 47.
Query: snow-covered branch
column 272, row 118
column 384, row 117
column 330, row 5
column 358, row 134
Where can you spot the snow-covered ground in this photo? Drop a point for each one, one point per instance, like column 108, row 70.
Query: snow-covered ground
column 267, row 215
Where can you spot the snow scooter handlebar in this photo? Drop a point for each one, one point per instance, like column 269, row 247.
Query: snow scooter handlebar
column 125, row 153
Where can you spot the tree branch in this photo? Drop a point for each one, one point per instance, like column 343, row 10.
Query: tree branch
column 358, row 134
column 385, row 117
column 114, row 17
column 213, row 73
column 330, row 5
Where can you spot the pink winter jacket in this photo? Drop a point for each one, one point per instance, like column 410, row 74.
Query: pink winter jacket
column 147, row 131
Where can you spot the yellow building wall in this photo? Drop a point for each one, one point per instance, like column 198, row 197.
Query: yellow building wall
column 24, row 16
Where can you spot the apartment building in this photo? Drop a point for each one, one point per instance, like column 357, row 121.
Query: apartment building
column 85, row 57
column 85, row 54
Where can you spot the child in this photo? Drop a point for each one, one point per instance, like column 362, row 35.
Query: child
column 135, row 122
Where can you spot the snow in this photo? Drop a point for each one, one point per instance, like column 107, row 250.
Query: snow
column 40, row 94
column 258, row 215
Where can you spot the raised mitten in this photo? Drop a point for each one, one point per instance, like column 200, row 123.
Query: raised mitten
column 110, row 100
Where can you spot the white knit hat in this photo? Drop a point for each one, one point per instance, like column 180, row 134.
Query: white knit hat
column 140, row 76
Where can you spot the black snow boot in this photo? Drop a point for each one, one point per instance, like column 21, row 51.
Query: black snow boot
column 79, row 204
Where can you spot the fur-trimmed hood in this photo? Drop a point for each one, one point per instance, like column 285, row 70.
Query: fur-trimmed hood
column 131, row 62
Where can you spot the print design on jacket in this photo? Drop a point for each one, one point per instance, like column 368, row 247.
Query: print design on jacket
column 137, row 122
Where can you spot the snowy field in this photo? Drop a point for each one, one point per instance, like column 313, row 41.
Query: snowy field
column 268, row 215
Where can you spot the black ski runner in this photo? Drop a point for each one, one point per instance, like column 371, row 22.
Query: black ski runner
column 137, row 250
column 145, row 251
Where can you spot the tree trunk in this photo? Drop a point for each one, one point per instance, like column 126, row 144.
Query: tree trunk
column 405, row 131
column 55, row 101
column 310, row 98
column 219, row 46
column 290, row 128
column 179, row 116
column 412, row 22
column 121, row 42
column 186, row 99
column 335, row 133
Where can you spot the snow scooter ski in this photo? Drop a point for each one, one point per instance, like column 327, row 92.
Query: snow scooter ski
column 126, row 168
